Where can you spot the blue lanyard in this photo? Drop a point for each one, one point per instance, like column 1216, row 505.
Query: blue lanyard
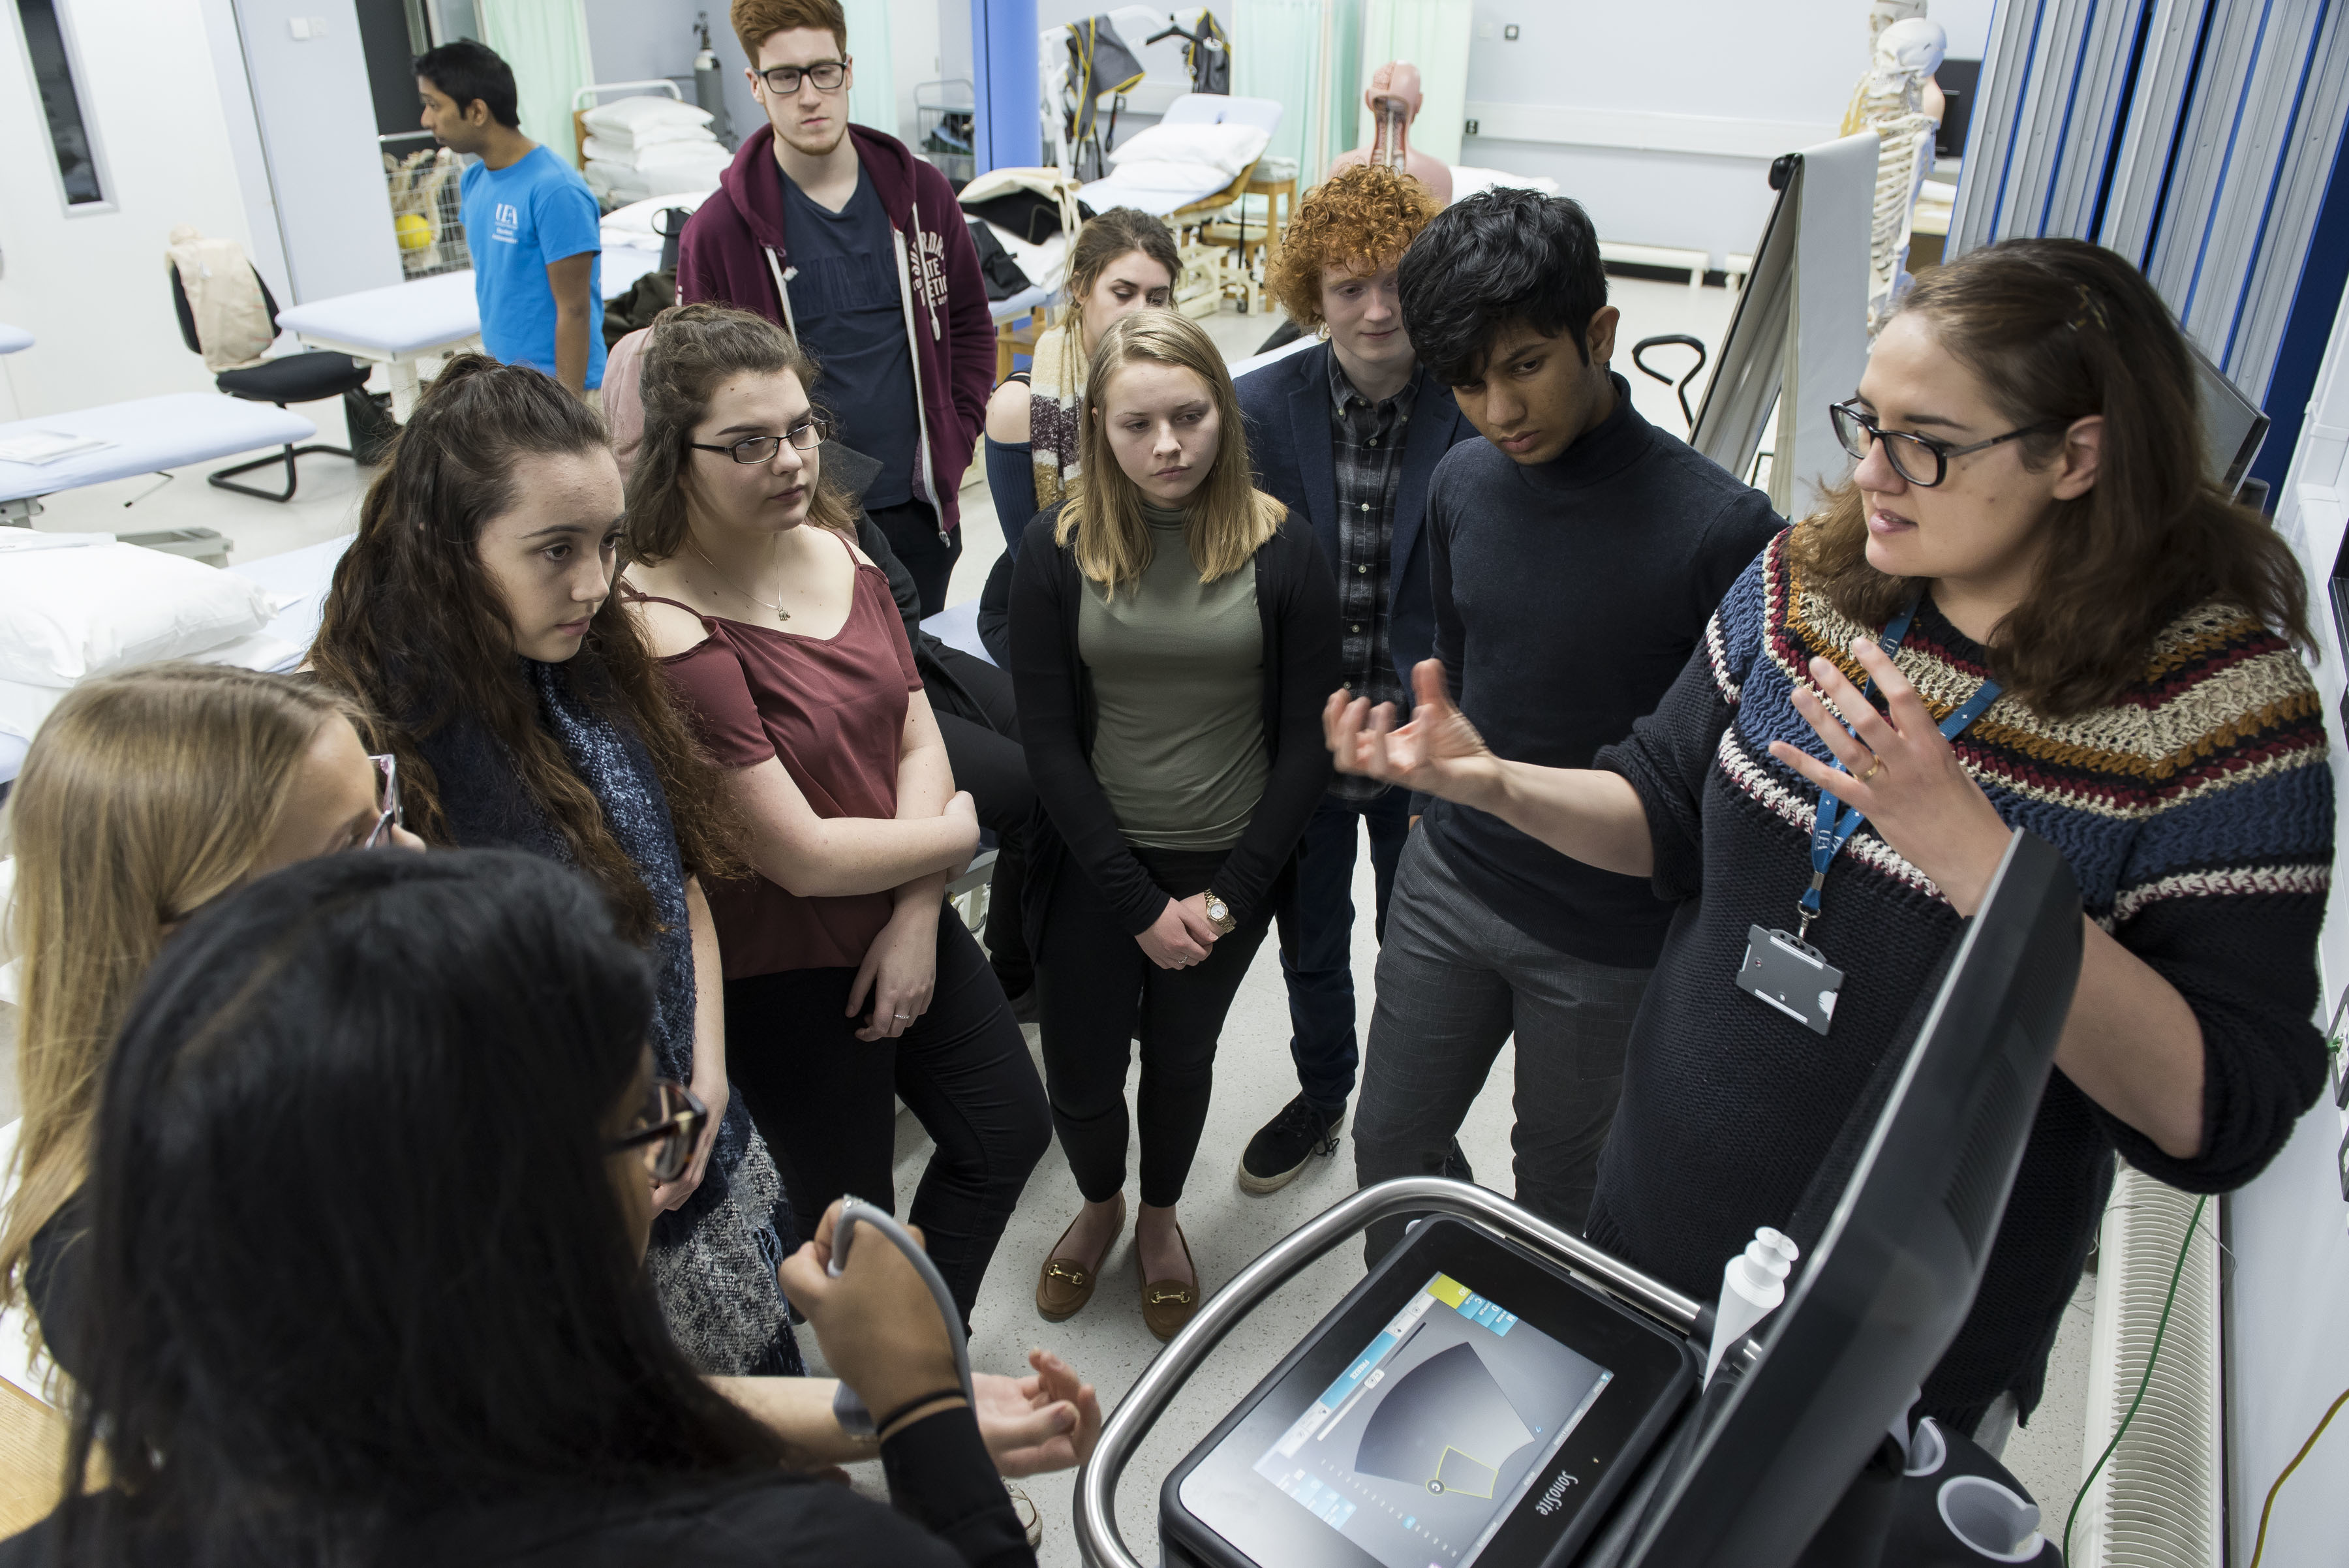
column 1835, row 821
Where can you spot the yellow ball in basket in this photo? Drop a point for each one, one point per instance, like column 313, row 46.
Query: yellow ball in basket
column 414, row 233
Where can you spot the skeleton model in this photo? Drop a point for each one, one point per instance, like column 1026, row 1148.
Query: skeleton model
column 1393, row 99
column 1892, row 102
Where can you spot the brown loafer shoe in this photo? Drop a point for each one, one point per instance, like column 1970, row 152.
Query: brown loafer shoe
column 1167, row 1304
column 1063, row 1287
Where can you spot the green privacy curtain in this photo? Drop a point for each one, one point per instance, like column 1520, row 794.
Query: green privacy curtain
column 1275, row 46
column 1434, row 35
column 872, row 101
column 1346, row 75
column 545, row 42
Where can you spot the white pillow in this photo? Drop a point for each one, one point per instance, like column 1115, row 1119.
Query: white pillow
column 1229, row 147
column 1184, row 179
column 65, row 614
column 629, row 117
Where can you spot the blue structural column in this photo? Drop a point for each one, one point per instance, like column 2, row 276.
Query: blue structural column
column 1007, row 131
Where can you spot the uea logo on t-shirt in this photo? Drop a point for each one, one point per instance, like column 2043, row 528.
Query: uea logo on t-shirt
column 505, row 224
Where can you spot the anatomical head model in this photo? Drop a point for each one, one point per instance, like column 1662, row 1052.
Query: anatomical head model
column 1393, row 99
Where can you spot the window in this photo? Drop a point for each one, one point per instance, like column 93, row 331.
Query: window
column 53, row 73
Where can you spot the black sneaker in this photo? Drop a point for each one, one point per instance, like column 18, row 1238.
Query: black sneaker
column 1283, row 1145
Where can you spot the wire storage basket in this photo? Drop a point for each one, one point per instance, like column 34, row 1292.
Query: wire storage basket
column 421, row 180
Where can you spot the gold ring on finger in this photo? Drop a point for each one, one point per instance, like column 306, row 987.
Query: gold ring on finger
column 1874, row 768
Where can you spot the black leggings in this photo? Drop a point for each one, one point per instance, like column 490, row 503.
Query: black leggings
column 1098, row 991
column 979, row 722
column 821, row 1098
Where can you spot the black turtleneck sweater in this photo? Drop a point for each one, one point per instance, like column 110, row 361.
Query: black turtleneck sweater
column 1569, row 595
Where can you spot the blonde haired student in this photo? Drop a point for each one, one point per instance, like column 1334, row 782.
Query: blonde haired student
column 146, row 794
column 1173, row 633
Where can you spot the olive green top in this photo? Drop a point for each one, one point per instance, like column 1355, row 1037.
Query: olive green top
column 1178, row 696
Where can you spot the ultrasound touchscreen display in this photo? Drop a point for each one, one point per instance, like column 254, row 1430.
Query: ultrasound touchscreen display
column 1429, row 1438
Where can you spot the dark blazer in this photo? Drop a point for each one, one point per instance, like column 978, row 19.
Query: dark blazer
column 1296, row 600
column 1286, row 406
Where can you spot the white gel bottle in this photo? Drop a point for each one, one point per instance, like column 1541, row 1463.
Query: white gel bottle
column 1753, row 1286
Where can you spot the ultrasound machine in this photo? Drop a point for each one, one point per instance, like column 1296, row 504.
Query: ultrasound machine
column 1500, row 1393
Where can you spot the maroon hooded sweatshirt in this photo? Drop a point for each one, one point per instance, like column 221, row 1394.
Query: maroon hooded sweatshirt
column 733, row 253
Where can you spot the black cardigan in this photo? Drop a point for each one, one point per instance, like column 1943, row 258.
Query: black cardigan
column 1296, row 598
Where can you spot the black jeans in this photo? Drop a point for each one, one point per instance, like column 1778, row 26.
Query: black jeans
column 821, row 1098
column 979, row 721
column 911, row 530
column 1317, row 938
column 1097, row 992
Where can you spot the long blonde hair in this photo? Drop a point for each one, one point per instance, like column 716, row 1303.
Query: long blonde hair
column 146, row 794
column 1229, row 518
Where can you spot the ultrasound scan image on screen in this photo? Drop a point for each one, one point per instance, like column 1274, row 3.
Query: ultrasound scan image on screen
column 1429, row 1437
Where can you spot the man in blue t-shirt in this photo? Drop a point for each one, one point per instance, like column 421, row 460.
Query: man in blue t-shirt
column 530, row 220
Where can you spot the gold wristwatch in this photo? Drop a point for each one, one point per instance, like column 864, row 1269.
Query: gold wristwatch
column 1219, row 914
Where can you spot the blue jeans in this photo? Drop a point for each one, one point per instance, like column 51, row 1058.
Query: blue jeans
column 1317, row 936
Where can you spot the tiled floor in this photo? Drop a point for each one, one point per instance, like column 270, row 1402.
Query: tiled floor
column 1225, row 1227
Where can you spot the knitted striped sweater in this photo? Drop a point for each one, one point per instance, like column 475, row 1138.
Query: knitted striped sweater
column 2196, row 812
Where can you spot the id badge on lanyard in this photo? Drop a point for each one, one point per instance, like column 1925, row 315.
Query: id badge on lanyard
column 1784, row 970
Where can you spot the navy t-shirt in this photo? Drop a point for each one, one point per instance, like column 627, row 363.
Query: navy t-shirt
column 850, row 318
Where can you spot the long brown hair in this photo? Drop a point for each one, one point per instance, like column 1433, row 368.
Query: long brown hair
column 1229, row 518
column 414, row 626
column 2058, row 329
column 146, row 794
column 691, row 348
column 1119, row 231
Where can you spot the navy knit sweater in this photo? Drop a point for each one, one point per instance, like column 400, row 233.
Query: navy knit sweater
column 2196, row 812
column 1567, row 597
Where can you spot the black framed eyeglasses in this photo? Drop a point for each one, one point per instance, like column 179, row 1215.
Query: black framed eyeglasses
column 387, row 799
column 827, row 75
column 807, row 435
column 667, row 1128
column 1921, row 460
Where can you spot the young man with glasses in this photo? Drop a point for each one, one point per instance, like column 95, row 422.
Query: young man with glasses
column 841, row 236
column 530, row 221
column 1575, row 556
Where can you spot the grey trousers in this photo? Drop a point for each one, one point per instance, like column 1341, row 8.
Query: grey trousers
column 1455, row 982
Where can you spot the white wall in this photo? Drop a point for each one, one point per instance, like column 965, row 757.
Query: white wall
column 316, row 118
column 91, row 287
column 2288, row 1233
column 1662, row 119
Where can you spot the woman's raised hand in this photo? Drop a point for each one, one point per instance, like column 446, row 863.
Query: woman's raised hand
column 1439, row 752
column 1902, row 774
column 1179, row 938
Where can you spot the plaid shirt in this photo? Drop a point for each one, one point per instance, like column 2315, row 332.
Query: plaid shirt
column 1366, row 448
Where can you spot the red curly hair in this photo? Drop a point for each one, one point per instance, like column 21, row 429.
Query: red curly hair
column 1359, row 218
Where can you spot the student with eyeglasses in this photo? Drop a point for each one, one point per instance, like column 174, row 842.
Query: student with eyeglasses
column 474, row 614
column 2027, row 606
column 841, row 236
column 848, row 983
column 145, row 795
column 371, row 1188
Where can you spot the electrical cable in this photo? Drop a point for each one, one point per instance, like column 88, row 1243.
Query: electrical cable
column 2159, row 1328
column 2261, row 1544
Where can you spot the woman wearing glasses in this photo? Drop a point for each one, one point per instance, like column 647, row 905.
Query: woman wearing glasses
column 474, row 614
column 844, row 985
column 2034, row 610
column 146, row 794
column 436, row 1342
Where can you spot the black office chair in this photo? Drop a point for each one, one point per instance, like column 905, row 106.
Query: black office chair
column 296, row 379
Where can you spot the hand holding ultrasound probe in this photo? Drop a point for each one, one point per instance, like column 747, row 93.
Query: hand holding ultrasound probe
column 891, row 1341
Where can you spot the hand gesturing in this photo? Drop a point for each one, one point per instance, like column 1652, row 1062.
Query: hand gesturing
column 1439, row 752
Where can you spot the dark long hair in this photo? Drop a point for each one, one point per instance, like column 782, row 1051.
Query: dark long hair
column 357, row 1254
column 414, row 626
column 690, row 349
column 2059, row 329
